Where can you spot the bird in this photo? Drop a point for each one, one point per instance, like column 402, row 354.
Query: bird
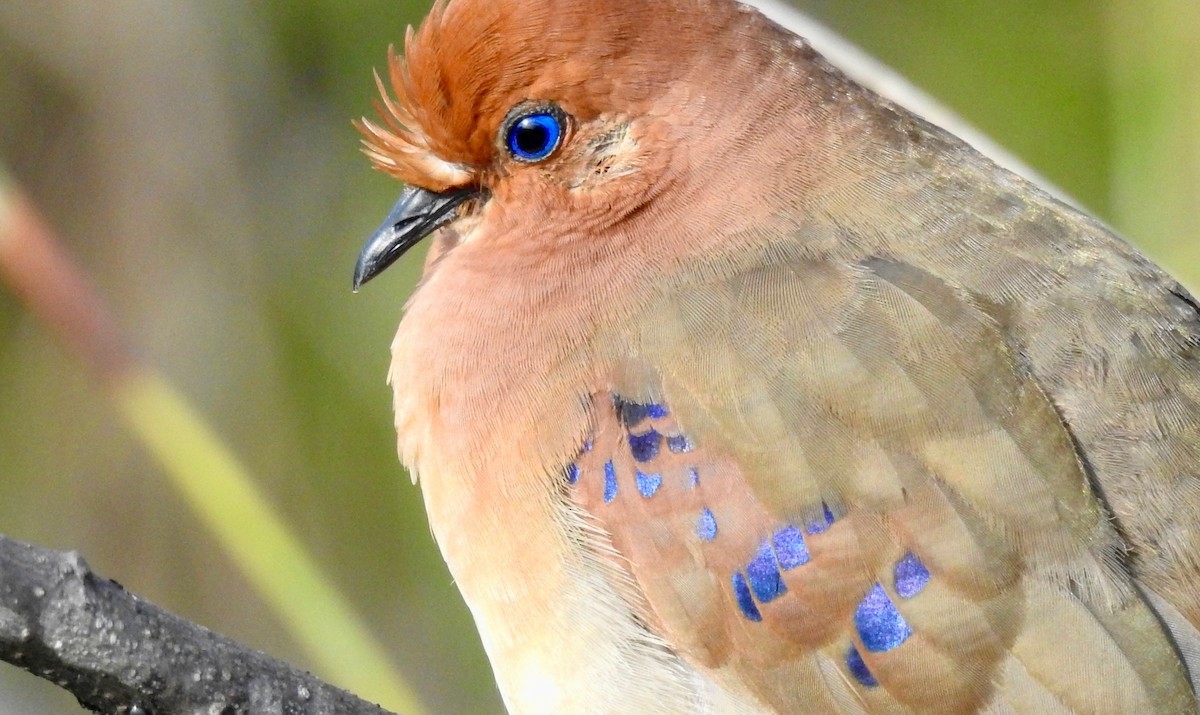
column 731, row 386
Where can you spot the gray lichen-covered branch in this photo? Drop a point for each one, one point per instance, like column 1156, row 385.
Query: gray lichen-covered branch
column 117, row 653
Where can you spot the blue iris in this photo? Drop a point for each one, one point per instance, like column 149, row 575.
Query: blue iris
column 534, row 136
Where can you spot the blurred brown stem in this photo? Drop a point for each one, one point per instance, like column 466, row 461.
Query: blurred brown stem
column 42, row 277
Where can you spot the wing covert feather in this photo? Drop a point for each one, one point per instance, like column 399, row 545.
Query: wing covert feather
column 881, row 417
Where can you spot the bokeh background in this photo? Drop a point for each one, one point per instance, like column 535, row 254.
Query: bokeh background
column 197, row 158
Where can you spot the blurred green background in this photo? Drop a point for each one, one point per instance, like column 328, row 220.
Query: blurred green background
column 198, row 159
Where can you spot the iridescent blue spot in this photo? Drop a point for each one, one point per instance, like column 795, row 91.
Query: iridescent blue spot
column 819, row 525
column 648, row 484
column 859, row 669
column 610, row 481
column 645, row 446
column 790, row 549
column 763, row 573
column 911, row 576
column 678, row 444
column 656, row 412
column 587, row 445
column 631, row 412
column 706, row 526
column 693, row 477
column 879, row 624
column 741, row 592
column 572, row 473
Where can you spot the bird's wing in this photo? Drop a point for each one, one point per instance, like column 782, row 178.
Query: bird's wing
column 841, row 489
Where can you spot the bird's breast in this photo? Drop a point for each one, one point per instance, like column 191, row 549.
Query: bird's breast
column 490, row 383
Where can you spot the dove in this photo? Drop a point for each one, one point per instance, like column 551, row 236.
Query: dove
column 733, row 387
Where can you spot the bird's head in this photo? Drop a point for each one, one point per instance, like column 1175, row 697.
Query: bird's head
column 512, row 117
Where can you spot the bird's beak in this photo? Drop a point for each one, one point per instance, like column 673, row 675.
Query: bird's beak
column 418, row 213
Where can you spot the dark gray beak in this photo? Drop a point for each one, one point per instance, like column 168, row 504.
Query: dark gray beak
column 418, row 213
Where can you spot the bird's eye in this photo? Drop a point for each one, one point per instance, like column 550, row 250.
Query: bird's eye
column 534, row 135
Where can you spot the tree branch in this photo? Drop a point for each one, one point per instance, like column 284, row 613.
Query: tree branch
column 119, row 654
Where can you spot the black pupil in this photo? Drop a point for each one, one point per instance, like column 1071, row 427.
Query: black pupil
column 531, row 137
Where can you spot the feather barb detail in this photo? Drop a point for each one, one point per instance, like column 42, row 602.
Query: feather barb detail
column 399, row 145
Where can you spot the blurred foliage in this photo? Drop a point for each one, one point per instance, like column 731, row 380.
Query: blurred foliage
column 198, row 158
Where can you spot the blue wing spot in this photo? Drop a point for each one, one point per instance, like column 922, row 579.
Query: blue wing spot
column 648, row 484
column 610, row 481
column 706, row 526
column 859, row 669
column 679, row 444
column 822, row 524
column 631, row 413
column 572, row 473
column 587, row 445
column 879, row 624
column 693, row 477
column 790, row 548
column 763, row 573
column 645, row 446
column 656, row 412
column 911, row 576
column 741, row 592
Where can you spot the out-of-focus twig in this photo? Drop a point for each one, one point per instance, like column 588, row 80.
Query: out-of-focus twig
column 214, row 482
column 34, row 267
